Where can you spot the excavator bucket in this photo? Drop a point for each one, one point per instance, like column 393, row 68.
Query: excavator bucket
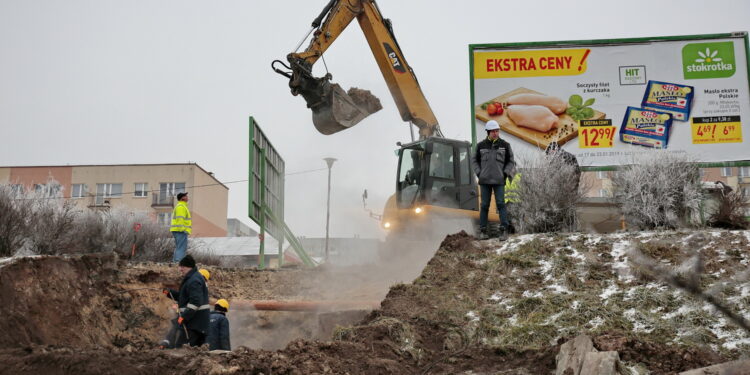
column 339, row 110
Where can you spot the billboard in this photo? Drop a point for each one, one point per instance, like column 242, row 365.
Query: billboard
column 268, row 186
column 606, row 100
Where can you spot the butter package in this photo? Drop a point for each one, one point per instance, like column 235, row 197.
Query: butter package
column 670, row 98
column 645, row 127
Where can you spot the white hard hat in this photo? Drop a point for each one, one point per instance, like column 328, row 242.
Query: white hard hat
column 491, row 125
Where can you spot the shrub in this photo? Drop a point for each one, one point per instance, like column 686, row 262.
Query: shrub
column 730, row 211
column 44, row 223
column 548, row 194
column 659, row 189
column 14, row 219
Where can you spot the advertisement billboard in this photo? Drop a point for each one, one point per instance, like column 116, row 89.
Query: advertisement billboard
column 606, row 100
column 266, row 185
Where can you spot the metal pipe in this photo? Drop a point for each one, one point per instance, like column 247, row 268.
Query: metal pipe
column 309, row 305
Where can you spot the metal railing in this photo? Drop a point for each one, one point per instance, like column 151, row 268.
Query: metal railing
column 162, row 199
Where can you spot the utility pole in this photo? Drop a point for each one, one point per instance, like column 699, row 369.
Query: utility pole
column 329, row 161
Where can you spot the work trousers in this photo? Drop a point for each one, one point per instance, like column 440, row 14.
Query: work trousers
column 486, row 193
column 196, row 338
column 180, row 241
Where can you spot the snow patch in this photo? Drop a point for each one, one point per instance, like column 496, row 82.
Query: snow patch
column 620, row 260
column 596, row 322
column 558, row 289
column 512, row 245
column 529, row 294
column 611, row 289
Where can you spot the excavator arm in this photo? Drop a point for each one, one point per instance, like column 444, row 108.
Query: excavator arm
column 335, row 110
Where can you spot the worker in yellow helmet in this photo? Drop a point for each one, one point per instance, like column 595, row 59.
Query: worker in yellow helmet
column 182, row 226
column 218, row 331
column 205, row 273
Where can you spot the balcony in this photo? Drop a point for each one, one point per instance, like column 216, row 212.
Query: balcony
column 162, row 200
column 98, row 202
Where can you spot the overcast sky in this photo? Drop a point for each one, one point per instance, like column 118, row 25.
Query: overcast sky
column 110, row 82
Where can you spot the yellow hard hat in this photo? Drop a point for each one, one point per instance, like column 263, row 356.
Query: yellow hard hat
column 205, row 273
column 223, row 303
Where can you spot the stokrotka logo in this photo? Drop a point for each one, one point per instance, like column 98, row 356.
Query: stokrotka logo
column 708, row 60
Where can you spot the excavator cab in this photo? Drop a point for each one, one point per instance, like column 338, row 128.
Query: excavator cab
column 436, row 172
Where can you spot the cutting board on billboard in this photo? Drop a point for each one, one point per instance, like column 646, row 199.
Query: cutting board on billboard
column 566, row 130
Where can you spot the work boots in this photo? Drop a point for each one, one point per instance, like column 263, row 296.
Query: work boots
column 482, row 234
column 502, row 235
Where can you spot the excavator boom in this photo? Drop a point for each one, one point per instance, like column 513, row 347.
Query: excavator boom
column 335, row 109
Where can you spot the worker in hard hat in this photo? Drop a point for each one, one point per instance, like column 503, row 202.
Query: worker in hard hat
column 493, row 163
column 218, row 328
column 170, row 338
column 193, row 310
column 205, row 273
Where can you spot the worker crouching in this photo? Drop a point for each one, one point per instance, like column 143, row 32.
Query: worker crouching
column 192, row 303
column 218, row 331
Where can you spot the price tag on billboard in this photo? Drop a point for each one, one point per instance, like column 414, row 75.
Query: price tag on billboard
column 716, row 129
column 596, row 133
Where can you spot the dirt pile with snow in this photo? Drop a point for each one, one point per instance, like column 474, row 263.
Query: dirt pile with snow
column 477, row 307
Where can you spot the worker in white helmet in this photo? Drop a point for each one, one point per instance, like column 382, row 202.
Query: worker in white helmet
column 493, row 164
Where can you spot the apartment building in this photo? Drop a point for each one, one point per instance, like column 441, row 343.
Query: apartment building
column 149, row 188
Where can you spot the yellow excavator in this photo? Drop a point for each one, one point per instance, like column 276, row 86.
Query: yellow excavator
column 434, row 180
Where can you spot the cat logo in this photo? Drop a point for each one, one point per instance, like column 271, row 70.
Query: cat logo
column 395, row 61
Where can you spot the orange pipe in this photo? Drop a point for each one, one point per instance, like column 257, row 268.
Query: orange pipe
column 322, row 305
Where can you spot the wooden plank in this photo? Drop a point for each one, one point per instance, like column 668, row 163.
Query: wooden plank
column 567, row 127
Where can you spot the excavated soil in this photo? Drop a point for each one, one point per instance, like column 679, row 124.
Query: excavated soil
column 477, row 307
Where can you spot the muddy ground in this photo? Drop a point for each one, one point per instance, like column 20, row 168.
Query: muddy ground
column 476, row 307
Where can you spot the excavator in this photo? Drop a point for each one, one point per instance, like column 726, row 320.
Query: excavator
column 434, row 178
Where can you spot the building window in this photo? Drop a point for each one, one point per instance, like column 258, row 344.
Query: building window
column 726, row 172
column 744, row 172
column 702, row 172
column 167, row 190
column 746, row 191
column 79, row 190
column 603, row 193
column 105, row 191
column 164, row 218
column 17, row 190
column 602, row 175
column 47, row 190
column 141, row 190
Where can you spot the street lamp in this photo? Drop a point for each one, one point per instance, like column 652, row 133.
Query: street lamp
column 329, row 161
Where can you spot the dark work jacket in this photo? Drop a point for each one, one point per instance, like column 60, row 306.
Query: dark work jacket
column 493, row 162
column 192, row 300
column 218, row 332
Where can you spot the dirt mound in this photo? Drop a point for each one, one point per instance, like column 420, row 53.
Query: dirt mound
column 477, row 307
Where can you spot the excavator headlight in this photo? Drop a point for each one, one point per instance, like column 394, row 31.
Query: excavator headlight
column 386, row 225
column 418, row 210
